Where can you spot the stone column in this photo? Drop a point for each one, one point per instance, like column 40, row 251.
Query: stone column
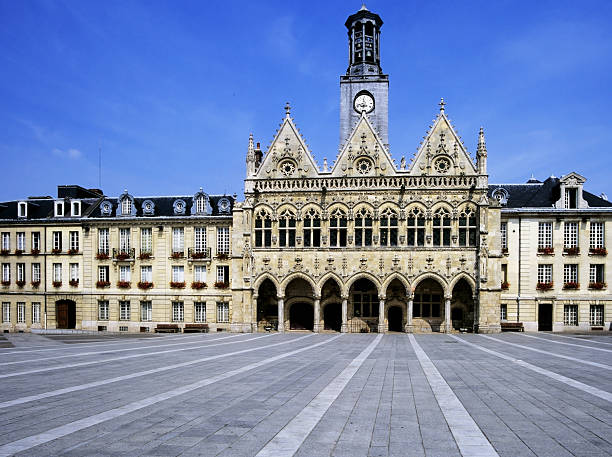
column 317, row 315
column 447, row 317
column 281, row 314
column 254, row 312
column 344, row 327
column 409, row 312
column 381, row 315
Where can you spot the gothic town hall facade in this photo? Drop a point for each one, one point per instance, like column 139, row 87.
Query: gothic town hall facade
column 362, row 244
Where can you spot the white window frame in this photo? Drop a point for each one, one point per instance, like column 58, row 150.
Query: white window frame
column 570, row 235
column 103, row 273
column 6, row 312
column 6, row 272
column 59, row 209
column 57, row 272
column 36, row 241
column 199, row 273
column 200, row 204
column 222, row 312
column 74, row 240
column 36, row 272
column 21, row 272
column 22, row 210
column 178, row 273
column 6, row 241
column 146, row 311
column 596, row 315
column 146, row 273
column 20, row 238
column 503, row 311
column 75, row 208
column 178, row 311
column 74, row 271
column 103, row 240
column 545, row 273
column 199, row 311
column 125, row 311
column 597, row 235
column 126, row 207
column 503, row 231
column 146, row 240
column 103, row 310
column 593, row 272
column 570, row 273
column 545, row 235
column 125, row 273
column 57, row 240
column 223, row 240
column 570, row 315
column 178, row 240
column 21, row 312
column 35, row 312
column 199, row 239
column 124, row 240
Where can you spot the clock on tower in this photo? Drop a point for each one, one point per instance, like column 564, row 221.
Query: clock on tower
column 364, row 87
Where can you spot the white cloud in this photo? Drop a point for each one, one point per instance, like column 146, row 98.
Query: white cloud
column 71, row 153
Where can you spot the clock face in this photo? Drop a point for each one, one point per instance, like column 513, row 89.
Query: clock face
column 364, row 102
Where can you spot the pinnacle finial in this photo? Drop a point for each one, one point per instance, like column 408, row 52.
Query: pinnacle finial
column 363, row 7
column 442, row 104
column 287, row 109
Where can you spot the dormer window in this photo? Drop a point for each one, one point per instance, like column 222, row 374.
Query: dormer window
column 22, row 209
column 571, row 198
column 76, row 208
column 200, row 204
column 126, row 207
column 59, row 209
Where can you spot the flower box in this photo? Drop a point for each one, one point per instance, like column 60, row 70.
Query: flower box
column 102, row 284
column 74, row 282
column 198, row 255
column 598, row 251
column 102, row 255
column 35, row 283
column 35, row 251
column 177, row 284
column 144, row 255
column 73, row 251
column 222, row 256
column 571, row 286
column 597, row 285
column 571, row 251
column 18, row 251
column 505, row 285
column 546, row 251
column 198, row 285
column 177, row 255
column 6, row 283
column 20, row 283
column 124, row 284
column 123, row 256
column 4, row 252
column 57, row 283
column 145, row 285
column 56, row 251
column 544, row 286
column 221, row 285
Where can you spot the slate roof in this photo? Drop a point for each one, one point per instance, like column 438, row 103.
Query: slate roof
column 43, row 208
column 164, row 206
column 541, row 195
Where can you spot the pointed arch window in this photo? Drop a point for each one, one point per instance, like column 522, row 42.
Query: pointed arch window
column 337, row 229
column 263, row 229
column 312, row 229
column 416, row 228
column 363, row 228
column 286, row 229
column 388, row 228
column 467, row 227
column 441, row 228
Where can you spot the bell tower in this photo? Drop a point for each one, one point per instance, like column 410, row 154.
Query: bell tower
column 364, row 87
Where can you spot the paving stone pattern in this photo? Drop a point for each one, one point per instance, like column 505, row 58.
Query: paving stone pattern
column 307, row 395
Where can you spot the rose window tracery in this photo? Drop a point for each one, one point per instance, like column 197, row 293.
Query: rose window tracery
column 442, row 165
column 363, row 166
column 287, row 168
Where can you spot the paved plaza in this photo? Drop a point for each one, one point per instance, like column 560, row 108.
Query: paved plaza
column 307, row 395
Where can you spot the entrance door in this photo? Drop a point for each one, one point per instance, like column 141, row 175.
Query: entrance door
column 395, row 317
column 301, row 316
column 545, row 317
column 65, row 314
column 332, row 316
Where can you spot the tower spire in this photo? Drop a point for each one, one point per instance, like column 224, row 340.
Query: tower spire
column 481, row 153
column 250, row 159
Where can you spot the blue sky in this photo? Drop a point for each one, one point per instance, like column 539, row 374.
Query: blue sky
column 171, row 90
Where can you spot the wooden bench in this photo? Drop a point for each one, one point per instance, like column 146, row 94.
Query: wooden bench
column 195, row 328
column 512, row 327
column 167, row 328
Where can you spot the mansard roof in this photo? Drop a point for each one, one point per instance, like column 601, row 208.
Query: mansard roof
column 541, row 194
column 43, row 209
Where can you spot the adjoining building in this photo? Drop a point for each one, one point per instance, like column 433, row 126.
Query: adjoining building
column 361, row 244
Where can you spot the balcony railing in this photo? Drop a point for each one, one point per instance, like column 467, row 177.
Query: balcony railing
column 122, row 254
column 198, row 254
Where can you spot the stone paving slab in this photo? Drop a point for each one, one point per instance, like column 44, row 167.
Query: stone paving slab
column 387, row 408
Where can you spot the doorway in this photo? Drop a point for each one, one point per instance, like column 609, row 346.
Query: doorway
column 545, row 317
column 65, row 314
column 301, row 316
column 332, row 317
column 395, row 318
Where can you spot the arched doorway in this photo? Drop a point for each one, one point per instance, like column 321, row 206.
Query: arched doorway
column 462, row 306
column 267, row 306
column 332, row 317
column 428, row 307
column 331, row 304
column 301, row 316
column 363, row 307
column 65, row 314
column 395, row 317
column 299, row 302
